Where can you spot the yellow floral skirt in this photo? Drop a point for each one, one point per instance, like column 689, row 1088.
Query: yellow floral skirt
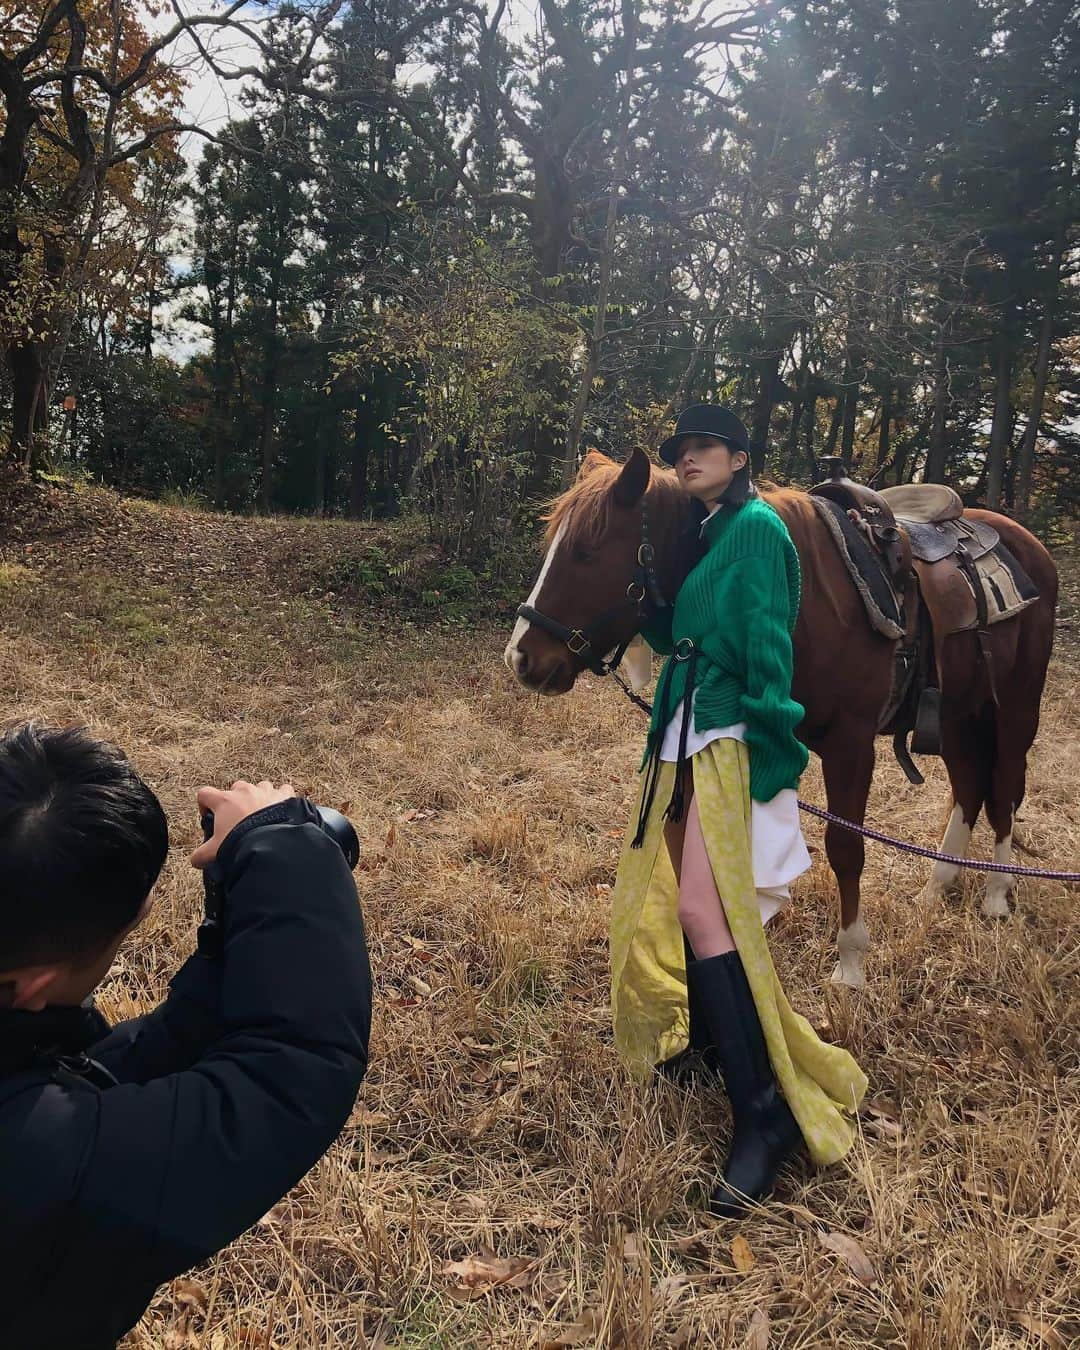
column 822, row 1083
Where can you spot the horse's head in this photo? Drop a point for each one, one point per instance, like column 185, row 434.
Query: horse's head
column 585, row 589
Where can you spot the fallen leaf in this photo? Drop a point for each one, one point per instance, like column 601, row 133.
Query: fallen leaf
column 547, row 1223
column 1016, row 1296
column 741, row 1254
column 631, row 1248
column 685, row 1336
column 671, row 1289
column 859, row 1263
column 421, row 986
column 477, row 1275
column 577, row 1333
column 757, row 1335
column 882, row 1122
column 190, row 1294
column 694, row 1245
column 1046, row 1333
column 362, row 1116
column 178, row 1336
column 482, row 1122
column 249, row 1337
column 547, row 1289
column 279, row 1216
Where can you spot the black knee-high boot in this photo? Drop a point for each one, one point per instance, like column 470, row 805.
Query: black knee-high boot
column 700, row 1054
column 765, row 1133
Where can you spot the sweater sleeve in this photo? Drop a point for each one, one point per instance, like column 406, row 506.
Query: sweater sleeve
column 760, row 615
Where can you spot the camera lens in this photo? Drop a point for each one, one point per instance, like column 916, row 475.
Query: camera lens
column 340, row 829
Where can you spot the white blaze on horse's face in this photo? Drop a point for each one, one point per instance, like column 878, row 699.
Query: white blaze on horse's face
column 513, row 655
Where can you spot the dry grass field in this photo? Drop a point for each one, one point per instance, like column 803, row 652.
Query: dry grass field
column 502, row 1181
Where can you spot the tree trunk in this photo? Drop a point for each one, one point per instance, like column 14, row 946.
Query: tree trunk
column 834, row 427
column 1001, row 427
column 850, row 413
column 934, row 471
column 267, row 419
column 361, row 454
column 594, row 352
column 761, row 416
column 810, row 425
column 1026, row 453
column 884, row 429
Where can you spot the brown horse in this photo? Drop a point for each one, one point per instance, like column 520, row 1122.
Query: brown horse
column 843, row 668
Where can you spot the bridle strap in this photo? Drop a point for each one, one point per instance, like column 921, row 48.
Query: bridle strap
column 643, row 593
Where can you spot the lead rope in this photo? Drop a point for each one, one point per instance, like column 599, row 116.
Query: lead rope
column 917, row 850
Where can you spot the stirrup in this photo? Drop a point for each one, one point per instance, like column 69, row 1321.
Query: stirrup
column 926, row 739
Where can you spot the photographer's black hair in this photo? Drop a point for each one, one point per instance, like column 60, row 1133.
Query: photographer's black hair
column 82, row 841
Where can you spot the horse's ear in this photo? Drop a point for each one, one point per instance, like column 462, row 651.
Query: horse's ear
column 633, row 479
column 594, row 459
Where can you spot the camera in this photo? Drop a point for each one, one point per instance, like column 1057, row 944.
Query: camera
column 211, row 934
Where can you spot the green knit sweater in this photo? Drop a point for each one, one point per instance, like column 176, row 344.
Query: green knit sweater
column 738, row 607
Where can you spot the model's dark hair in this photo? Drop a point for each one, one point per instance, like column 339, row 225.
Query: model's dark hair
column 82, row 841
column 741, row 488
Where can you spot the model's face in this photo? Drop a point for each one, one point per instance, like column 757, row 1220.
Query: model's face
column 706, row 466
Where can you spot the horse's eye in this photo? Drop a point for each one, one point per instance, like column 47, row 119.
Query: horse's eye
column 580, row 554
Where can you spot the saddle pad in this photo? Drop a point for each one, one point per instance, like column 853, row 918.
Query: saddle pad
column 948, row 594
column 1007, row 587
column 864, row 567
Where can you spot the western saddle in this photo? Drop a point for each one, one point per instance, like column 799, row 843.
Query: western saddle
column 928, row 550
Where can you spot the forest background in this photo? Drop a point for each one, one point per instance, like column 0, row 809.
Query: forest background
column 438, row 249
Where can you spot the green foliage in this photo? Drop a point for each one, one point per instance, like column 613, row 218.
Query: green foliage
column 397, row 299
column 469, row 346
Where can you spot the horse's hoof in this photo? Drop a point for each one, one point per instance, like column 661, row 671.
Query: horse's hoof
column 931, row 894
column 995, row 905
column 849, row 972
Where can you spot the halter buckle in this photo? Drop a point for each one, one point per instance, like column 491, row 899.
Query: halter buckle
column 684, row 649
column 578, row 637
column 646, row 554
column 635, row 592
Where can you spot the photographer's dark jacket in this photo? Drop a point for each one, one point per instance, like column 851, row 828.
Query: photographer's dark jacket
column 127, row 1156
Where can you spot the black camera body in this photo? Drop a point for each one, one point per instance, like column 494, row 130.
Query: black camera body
column 211, row 933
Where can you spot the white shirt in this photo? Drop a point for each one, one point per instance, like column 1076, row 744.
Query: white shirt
column 777, row 846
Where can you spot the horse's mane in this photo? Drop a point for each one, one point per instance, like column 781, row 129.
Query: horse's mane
column 585, row 507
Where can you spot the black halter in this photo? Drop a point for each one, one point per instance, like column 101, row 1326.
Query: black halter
column 644, row 594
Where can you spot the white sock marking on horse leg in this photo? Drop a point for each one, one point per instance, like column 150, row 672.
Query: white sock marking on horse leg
column 511, row 654
column 995, row 903
column 956, row 840
column 852, row 944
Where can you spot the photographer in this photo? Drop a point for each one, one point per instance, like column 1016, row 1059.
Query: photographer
column 129, row 1155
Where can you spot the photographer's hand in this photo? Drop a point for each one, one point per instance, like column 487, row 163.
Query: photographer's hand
column 230, row 808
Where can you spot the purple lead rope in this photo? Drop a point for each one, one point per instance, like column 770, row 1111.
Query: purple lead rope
column 1038, row 873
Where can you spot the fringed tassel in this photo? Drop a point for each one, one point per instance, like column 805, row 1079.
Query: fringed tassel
column 652, row 768
column 677, row 805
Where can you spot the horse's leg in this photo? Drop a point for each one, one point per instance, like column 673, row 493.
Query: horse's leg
column 967, row 747
column 1015, row 735
column 847, row 759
